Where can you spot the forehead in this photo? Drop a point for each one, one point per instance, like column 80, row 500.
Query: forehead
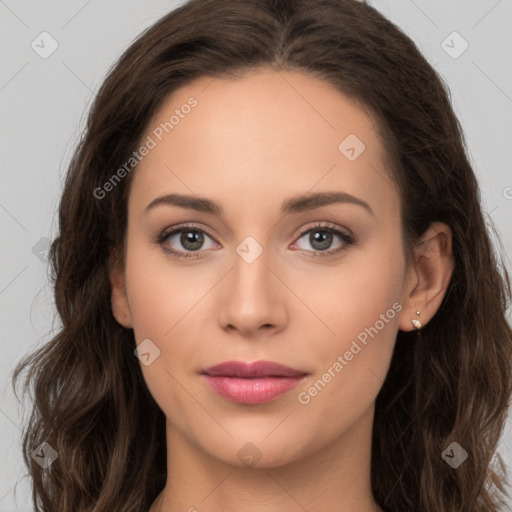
column 267, row 129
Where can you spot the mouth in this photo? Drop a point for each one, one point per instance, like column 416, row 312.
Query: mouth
column 252, row 383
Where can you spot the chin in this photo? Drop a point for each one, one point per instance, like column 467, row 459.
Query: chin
column 258, row 452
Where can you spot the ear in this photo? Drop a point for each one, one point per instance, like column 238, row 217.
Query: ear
column 428, row 276
column 118, row 297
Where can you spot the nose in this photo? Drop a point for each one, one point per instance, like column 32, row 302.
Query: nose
column 253, row 297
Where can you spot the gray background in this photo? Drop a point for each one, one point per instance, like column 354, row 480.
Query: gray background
column 43, row 104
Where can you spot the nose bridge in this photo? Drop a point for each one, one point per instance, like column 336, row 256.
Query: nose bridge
column 251, row 273
column 252, row 295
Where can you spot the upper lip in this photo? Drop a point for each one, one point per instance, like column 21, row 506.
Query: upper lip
column 251, row 370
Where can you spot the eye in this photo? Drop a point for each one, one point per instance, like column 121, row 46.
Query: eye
column 191, row 239
column 321, row 237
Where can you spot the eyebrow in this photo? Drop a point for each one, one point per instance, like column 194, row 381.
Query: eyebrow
column 297, row 204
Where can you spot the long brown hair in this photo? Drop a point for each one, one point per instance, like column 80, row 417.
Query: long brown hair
column 450, row 384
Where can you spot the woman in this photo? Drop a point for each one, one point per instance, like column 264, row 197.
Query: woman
column 276, row 286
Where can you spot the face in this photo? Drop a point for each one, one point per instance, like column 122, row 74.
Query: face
column 293, row 256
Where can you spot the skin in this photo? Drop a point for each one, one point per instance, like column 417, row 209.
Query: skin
column 248, row 145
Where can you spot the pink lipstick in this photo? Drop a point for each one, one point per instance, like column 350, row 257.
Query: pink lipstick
column 252, row 383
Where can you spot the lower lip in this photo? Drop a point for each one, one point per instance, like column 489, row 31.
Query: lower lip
column 252, row 391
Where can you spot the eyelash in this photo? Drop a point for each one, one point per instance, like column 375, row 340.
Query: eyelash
column 324, row 228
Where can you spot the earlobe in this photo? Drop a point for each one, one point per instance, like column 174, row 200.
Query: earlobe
column 429, row 277
column 118, row 297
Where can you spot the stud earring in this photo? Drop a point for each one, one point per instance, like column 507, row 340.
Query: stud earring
column 416, row 322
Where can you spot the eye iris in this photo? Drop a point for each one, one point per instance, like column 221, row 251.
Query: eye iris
column 195, row 238
column 322, row 237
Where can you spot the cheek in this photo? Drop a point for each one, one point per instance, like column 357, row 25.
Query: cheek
column 159, row 292
column 163, row 301
column 360, row 295
column 361, row 307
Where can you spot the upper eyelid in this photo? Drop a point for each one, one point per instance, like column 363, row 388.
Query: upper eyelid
column 327, row 226
column 176, row 229
column 301, row 232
